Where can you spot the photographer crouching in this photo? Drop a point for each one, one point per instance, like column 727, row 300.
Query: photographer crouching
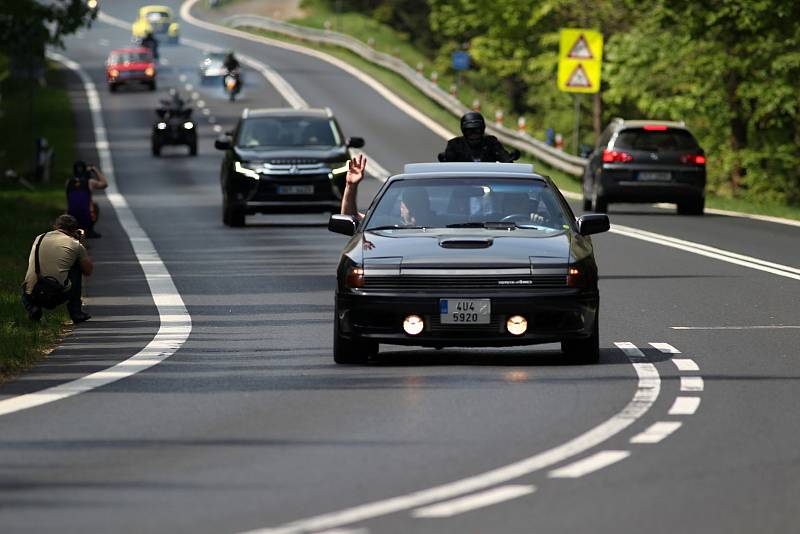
column 57, row 262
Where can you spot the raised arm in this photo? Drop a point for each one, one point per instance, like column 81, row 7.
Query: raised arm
column 355, row 173
column 99, row 181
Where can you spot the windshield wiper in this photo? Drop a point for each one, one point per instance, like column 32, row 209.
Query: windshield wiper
column 395, row 227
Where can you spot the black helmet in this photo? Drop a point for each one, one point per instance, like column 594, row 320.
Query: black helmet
column 472, row 120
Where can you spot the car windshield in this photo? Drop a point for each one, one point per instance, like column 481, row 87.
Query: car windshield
column 157, row 16
column 130, row 57
column 508, row 203
column 288, row 132
column 654, row 140
column 215, row 57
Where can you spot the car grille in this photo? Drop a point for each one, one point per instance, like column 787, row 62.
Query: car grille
column 293, row 161
column 441, row 284
column 435, row 326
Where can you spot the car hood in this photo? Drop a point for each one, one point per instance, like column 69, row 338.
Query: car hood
column 266, row 154
column 448, row 248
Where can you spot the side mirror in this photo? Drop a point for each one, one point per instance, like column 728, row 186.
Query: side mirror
column 342, row 224
column 593, row 223
column 355, row 142
column 223, row 143
column 515, row 154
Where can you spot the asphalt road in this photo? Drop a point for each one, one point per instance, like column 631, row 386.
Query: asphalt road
column 250, row 425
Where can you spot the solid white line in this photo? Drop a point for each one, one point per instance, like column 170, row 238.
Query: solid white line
column 473, row 502
column 588, row 465
column 649, row 386
column 685, row 406
column 656, row 432
column 760, row 327
column 692, row 383
column 710, row 252
column 175, row 322
column 685, row 364
column 665, row 347
column 728, row 213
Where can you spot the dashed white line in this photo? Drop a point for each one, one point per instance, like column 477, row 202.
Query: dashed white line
column 104, row 42
column 692, row 383
column 201, row 103
column 665, row 347
column 206, row 111
column 212, row 120
column 164, row 61
column 656, row 432
column 182, row 78
column 189, row 87
column 588, row 465
column 217, row 128
column 195, row 95
column 473, row 502
column 685, row 406
column 685, row 364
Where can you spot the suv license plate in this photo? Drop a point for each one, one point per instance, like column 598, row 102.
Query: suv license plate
column 295, row 189
column 655, row 176
column 465, row 311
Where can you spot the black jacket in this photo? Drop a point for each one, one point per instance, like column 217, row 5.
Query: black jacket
column 490, row 150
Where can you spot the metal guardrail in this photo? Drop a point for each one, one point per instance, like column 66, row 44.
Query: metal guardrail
column 568, row 163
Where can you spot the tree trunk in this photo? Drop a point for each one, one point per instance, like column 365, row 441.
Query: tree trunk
column 597, row 115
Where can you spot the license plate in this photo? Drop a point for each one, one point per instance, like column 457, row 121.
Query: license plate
column 465, row 311
column 295, row 189
column 655, row 176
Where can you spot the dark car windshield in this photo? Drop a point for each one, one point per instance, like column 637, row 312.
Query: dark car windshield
column 130, row 57
column 654, row 140
column 469, row 203
column 288, row 132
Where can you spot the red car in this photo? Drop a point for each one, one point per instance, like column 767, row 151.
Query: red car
column 131, row 65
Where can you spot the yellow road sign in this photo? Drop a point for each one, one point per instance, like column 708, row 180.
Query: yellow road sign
column 580, row 57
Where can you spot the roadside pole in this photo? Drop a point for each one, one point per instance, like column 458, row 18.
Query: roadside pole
column 577, row 129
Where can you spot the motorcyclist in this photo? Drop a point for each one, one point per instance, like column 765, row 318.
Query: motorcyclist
column 231, row 63
column 175, row 103
column 149, row 41
column 475, row 145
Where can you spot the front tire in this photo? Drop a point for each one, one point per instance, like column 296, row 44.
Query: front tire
column 113, row 87
column 599, row 202
column 695, row 206
column 351, row 351
column 584, row 351
column 233, row 216
column 193, row 148
column 151, row 86
column 156, row 149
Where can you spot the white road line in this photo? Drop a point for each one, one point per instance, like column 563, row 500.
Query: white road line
column 649, row 386
column 206, row 111
column 685, row 406
column 473, row 502
column 588, row 465
column 685, row 364
column 189, row 87
column 175, row 322
column 104, row 42
column 212, row 120
column 182, row 78
column 692, row 383
column 710, row 252
column 656, row 432
column 665, row 347
column 195, row 95
column 345, row 531
column 757, row 327
column 201, row 103
column 728, row 213
column 217, row 128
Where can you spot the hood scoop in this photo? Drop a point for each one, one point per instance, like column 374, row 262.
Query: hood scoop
column 466, row 243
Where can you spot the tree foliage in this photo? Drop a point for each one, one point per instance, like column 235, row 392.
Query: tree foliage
column 27, row 26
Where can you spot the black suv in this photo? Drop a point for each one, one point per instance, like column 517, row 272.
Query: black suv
column 283, row 161
column 646, row 161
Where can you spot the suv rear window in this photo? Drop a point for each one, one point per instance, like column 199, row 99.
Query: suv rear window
column 669, row 139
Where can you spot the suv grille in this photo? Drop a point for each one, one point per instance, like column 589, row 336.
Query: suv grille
column 292, row 161
column 462, row 284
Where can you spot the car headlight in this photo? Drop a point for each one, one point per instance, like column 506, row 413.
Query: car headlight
column 188, row 125
column 250, row 173
column 150, row 71
column 113, row 73
column 354, row 277
column 162, row 126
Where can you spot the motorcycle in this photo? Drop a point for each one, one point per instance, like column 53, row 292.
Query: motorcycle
column 174, row 127
column 232, row 82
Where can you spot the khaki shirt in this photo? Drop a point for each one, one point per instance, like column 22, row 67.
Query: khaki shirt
column 57, row 254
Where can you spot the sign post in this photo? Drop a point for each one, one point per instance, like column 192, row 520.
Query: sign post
column 461, row 62
column 580, row 59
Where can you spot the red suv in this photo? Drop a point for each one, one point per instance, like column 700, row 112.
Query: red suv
column 131, row 65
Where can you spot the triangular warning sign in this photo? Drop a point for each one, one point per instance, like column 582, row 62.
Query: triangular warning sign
column 580, row 50
column 578, row 78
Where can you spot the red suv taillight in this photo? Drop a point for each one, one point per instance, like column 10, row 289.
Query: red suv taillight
column 694, row 159
column 615, row 156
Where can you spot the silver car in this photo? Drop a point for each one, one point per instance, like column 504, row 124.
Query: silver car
column 212, row 67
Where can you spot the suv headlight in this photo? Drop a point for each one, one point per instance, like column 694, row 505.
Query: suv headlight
column 247, row 171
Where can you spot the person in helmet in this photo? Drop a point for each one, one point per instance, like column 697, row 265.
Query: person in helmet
column 475, row 145
column 231, row 63
column 149, row 41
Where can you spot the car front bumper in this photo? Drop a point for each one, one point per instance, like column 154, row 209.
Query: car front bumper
column 271, row 194
column 552, row 317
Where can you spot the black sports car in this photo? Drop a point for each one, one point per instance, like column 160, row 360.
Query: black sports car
column 467, row 254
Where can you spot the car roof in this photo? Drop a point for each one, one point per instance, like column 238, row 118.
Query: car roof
column 154, row 7
column 286, row 112
column 642, row 123
column 465, row 169
column 130, row 50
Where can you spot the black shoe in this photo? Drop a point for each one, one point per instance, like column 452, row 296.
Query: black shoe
column 80, row 317
column 34, row 313
column 93, row 235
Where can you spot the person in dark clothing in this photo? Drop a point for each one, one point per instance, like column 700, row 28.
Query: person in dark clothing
column 62, row 258
column 85, row 179
column 149, row 41
column 475, row 145
column 231, row 63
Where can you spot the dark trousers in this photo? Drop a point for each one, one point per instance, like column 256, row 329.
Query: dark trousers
column 72, row 296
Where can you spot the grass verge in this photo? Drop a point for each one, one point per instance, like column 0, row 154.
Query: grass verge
column 25, row 213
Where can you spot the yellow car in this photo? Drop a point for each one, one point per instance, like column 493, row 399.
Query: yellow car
column 157, row 20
